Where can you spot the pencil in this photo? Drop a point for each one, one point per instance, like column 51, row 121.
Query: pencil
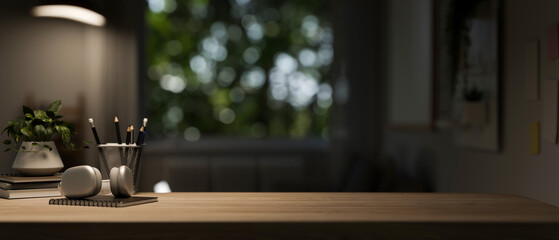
column 101, row 153
column 140, row 134
column 119, row 140
column 131, row 134
column 117, row 128
column 144, row 131
column 128, row 135
column 127, row 150
column 94, row 131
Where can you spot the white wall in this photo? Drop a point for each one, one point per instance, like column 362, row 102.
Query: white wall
column 410, row 46
column 513, row 170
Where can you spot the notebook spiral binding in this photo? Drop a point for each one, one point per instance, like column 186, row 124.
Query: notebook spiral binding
column 84, row 203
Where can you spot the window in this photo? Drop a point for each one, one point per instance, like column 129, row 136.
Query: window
column 238, row 68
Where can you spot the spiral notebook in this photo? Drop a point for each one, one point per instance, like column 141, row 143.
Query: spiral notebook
column 103, row 201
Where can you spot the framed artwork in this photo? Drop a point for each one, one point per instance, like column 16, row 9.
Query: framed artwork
column 468, row 88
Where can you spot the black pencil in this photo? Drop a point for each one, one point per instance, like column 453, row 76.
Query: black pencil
column 128, row 135
column 119, row 140
column 131, row 134
column 94, row 131
column 101, row 153
column 140, row 134
column 117, row 128
column 127, row 150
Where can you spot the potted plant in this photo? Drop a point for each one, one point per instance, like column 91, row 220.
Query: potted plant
column 34, row 133
column 474, row 109
column 458, row 26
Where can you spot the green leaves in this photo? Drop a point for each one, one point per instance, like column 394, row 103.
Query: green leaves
column 26, row 131
column 39, row 126
column 51, row 114
column 47, row 147
column 27, row 110
column 64, row 132
column 41, row 132
column 34, row 144
column 42, row 115
column 50, row 132
column 54, row 106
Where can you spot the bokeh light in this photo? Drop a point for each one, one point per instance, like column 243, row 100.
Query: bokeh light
column 161, row 187
column 238, row 68
column 191, row 134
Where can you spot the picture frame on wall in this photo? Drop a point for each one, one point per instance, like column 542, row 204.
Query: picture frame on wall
column 468, row 94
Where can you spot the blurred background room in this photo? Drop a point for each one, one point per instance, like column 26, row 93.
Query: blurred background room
column 313, row 96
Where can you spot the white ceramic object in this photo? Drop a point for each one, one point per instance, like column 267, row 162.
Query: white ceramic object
column 36, row 160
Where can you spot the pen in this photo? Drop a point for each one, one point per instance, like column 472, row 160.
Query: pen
column 94, row 131
column 117, row 128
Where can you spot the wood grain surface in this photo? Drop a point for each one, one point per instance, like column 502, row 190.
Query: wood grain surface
column 291, row 215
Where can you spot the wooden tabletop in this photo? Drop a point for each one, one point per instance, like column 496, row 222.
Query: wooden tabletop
column 389, row 215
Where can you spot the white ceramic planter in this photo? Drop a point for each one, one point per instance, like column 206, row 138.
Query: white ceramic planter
column 37, row 161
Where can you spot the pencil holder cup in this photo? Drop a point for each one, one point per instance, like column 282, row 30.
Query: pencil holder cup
column 115, row 155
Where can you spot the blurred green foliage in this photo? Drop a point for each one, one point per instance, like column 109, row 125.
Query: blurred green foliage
column 238, row 68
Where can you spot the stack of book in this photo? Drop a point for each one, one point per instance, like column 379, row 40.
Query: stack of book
column 14, row 186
